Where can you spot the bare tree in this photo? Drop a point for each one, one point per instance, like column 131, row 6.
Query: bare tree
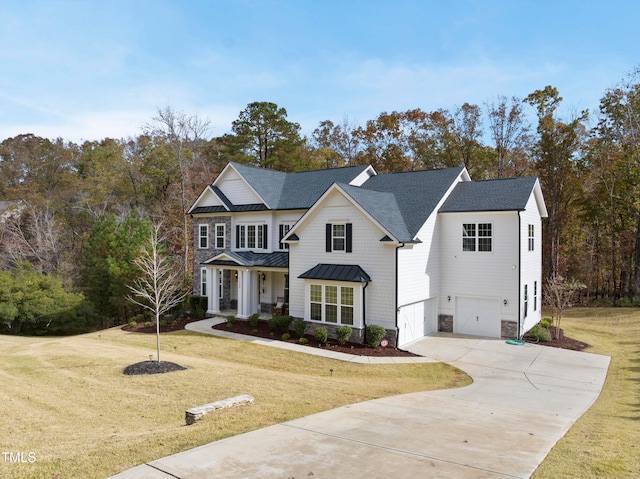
column 159, row 287
column 185, row 136
column 559, row 294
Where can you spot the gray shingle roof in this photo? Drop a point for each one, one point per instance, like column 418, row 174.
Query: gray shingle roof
column 383, row 207
column 509, row 194
column 282, row 191
column 337, row 272
column 416, row 194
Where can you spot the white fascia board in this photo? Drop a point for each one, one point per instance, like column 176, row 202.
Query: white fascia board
column 537, row 191
column 207, row 189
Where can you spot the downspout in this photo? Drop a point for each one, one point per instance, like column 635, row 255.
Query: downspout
column 520, row 332
column 364, row 307
column 401, row 245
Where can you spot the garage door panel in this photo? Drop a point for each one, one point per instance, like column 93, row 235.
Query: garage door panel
column 477, row 317
column 411, row 323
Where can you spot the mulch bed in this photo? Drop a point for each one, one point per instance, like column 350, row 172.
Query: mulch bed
column 152, row 367
column 155, row 367
column 563, row 342
column 262, row 331
column 178, row 326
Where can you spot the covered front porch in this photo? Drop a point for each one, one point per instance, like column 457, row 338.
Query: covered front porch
column 244, row 283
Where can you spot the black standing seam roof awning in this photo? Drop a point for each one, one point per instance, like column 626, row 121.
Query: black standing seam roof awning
column 337, row 272
column 277, row 259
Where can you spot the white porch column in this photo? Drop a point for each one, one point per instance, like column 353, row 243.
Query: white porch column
column 245, row 298
column 241, row 305
column 212, row 291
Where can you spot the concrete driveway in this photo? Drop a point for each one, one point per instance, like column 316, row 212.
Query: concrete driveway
column 522, row 401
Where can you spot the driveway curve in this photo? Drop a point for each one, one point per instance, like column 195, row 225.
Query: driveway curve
column 522, row 401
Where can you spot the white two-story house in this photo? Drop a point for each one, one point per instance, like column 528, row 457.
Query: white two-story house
column 415, row 252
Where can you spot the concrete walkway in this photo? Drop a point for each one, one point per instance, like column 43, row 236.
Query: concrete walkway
column 522, row 401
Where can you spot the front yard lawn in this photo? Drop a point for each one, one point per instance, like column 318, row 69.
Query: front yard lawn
column 605, row 441
column 69, row 411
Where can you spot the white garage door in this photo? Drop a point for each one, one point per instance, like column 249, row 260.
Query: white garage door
column 477, row 317
column 411, row 323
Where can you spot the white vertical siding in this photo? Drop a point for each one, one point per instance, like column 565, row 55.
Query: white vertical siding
column 369, row 253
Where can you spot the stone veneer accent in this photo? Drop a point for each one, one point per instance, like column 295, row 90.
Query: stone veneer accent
column 199, row 254
column 445, row 323
column 509, row 330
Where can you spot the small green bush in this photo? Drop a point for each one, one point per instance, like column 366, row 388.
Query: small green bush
column 299, row 326
column 169, row 317
column 272, row 322
column 133, row 324
column 303, row 341
column 148, row 324
column 320, row 334
column 343, row 333
column 374, row 334
column 163, row 322
column 545, row 322
column 253, row 319
column 230, row 320
column 286, row 336
column 200, row 314
column 540, row 333
column 284, row 322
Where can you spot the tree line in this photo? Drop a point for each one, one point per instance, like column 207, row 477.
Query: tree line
column 79, row 213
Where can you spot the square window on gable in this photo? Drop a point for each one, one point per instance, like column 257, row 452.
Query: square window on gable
column 339, row 237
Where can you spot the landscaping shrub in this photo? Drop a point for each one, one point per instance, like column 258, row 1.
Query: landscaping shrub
column 284, row 322
column 163, row 322
column 168, row 318
column 272, row 322
column 343, row 333
column 253, row 319
column 148, row 324
column 133, row 324
column 540, row 333
column 320, row 334
column 374, row 334
column 545, row 322
column 299, row 326
column 286, row 336
column 230, row 320
column 303, row 341
column 200, row 314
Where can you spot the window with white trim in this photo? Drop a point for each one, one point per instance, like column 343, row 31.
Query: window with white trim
column 331, row 304
column 477, row 237
column 220, row 283
column 203, row 282
column 251, row 236
column 220, row 230
column 531, row 237
column 535, row 295
column 339, row 237
column 203, row 236
column 526, row 299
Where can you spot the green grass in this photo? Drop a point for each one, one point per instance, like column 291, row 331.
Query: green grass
column 605, row 441
column 66, row 400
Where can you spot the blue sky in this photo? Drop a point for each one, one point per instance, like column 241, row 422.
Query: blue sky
column 85, row 70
